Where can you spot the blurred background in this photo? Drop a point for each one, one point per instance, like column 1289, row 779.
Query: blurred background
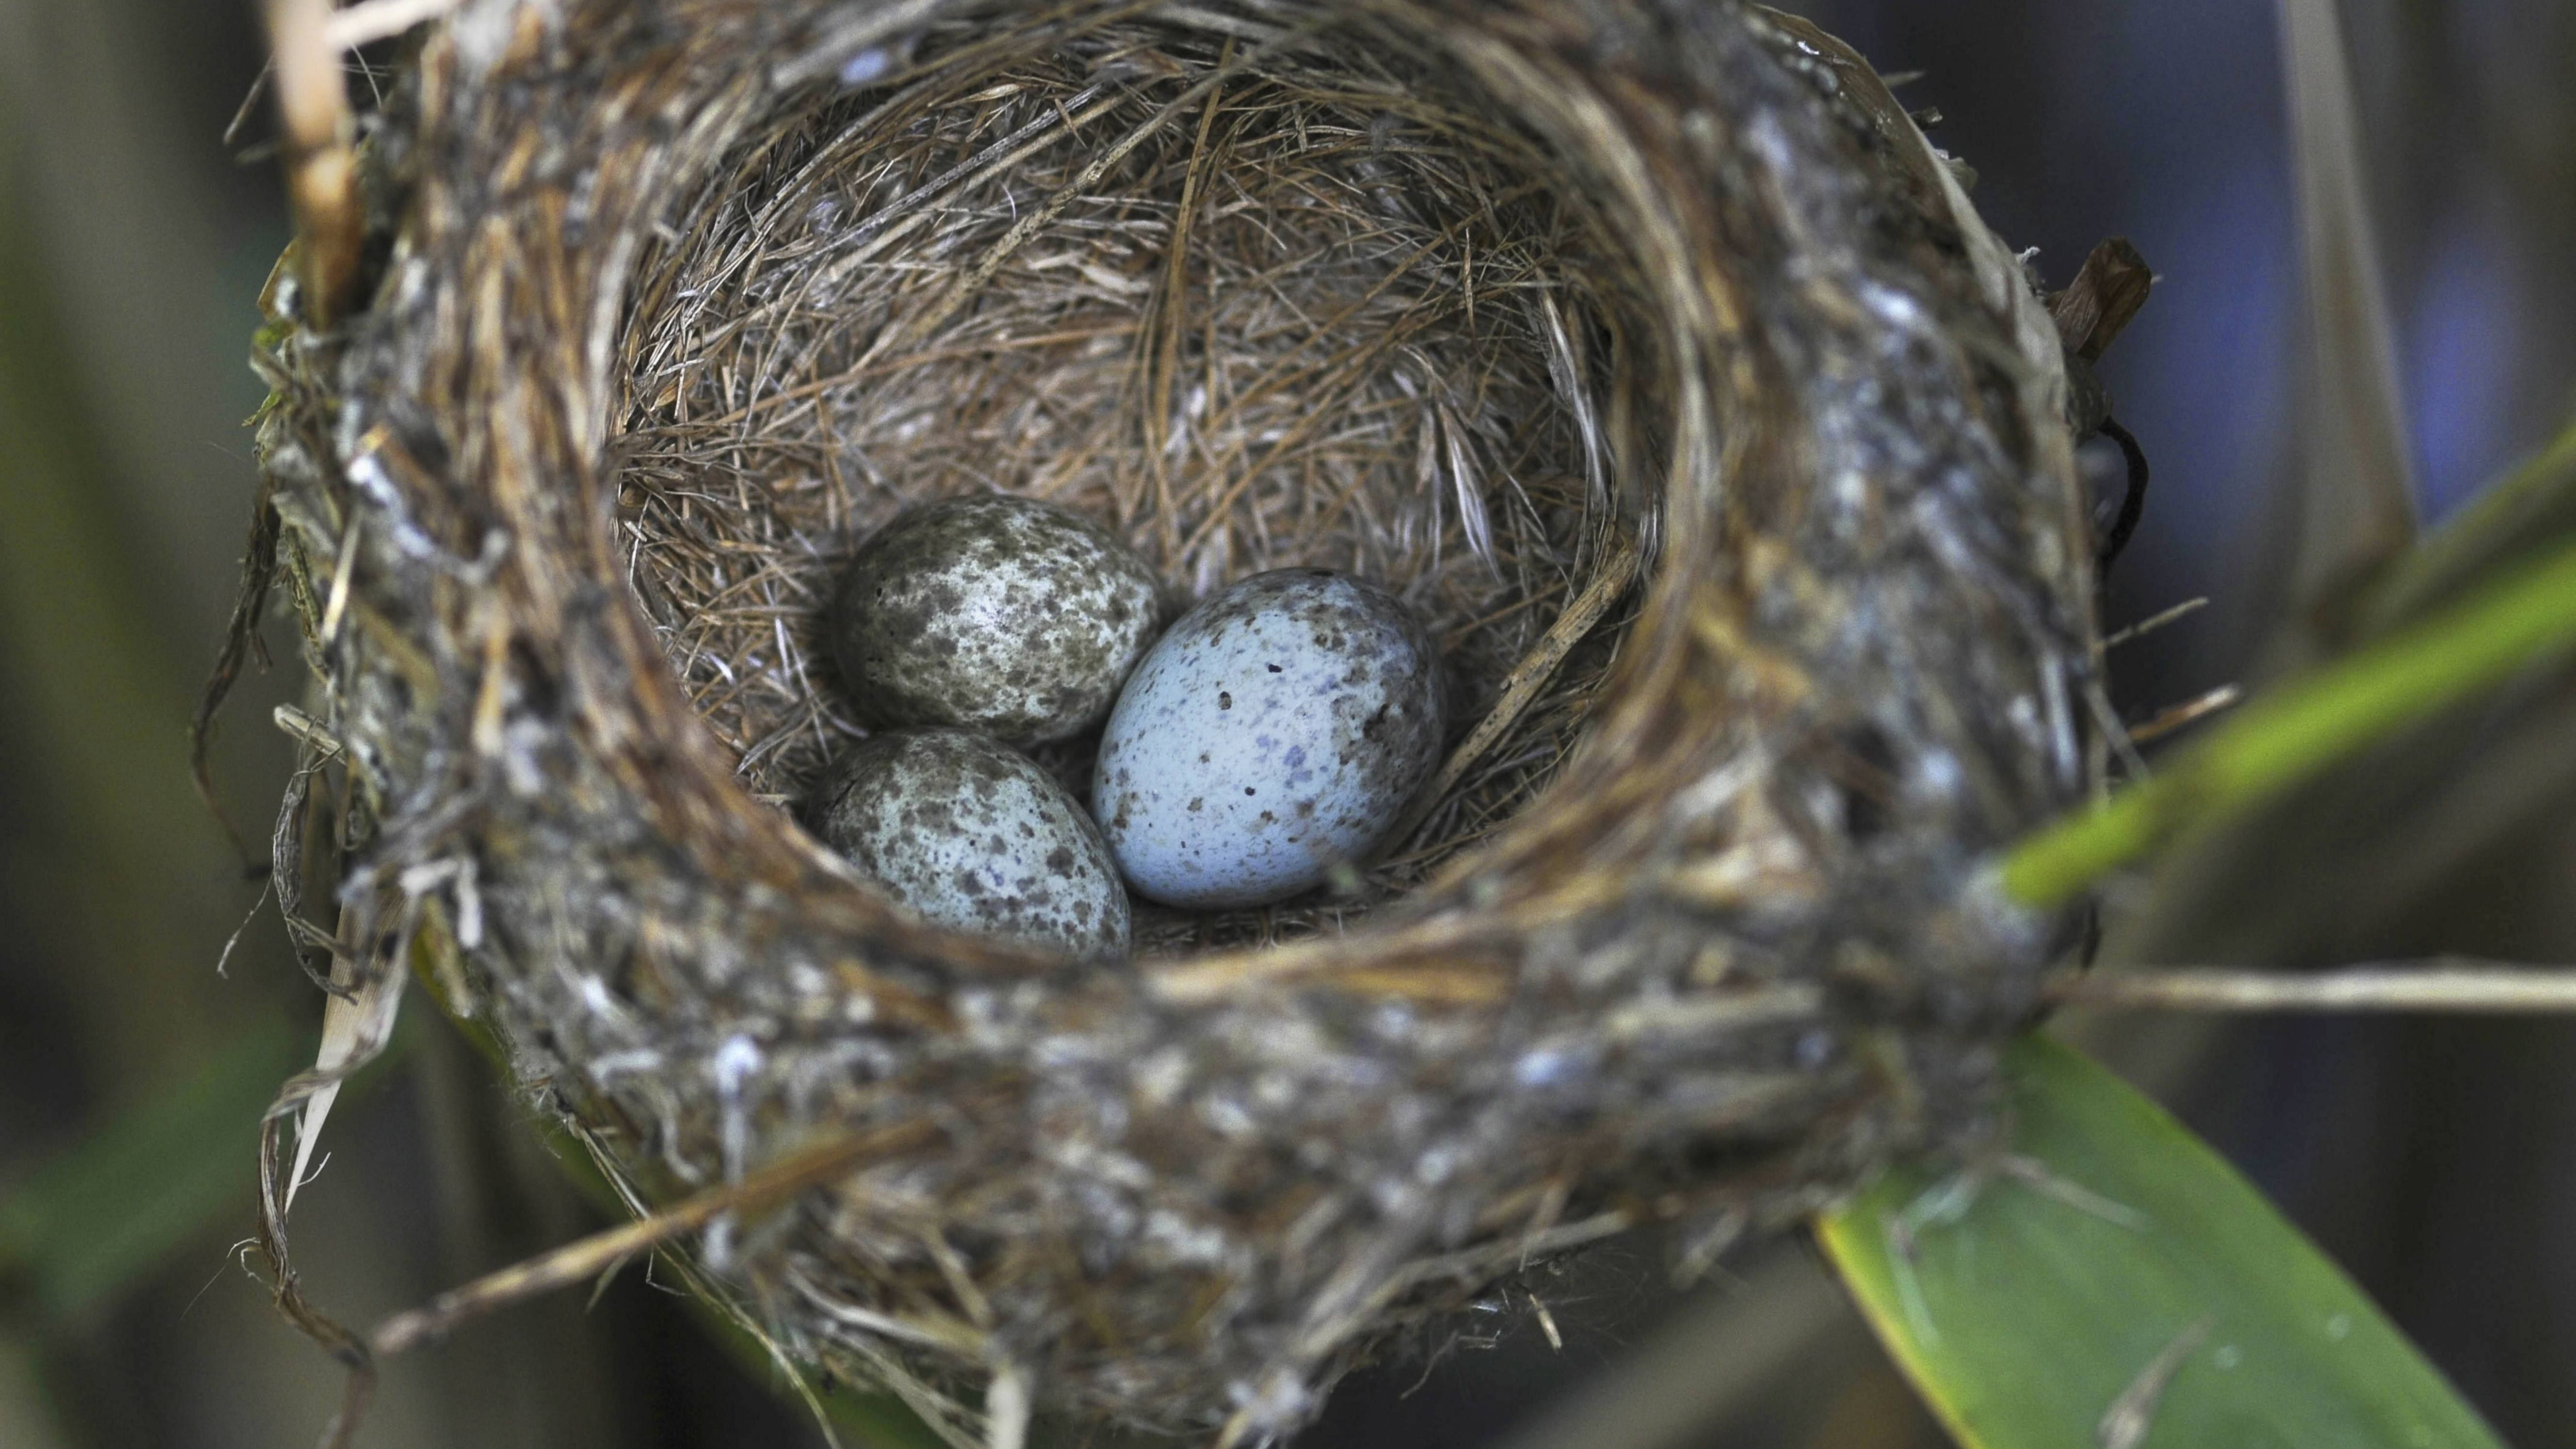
column 2432, row 1159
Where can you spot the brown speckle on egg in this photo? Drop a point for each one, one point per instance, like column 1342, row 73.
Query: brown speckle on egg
column 973, row 835
column 1004, row 615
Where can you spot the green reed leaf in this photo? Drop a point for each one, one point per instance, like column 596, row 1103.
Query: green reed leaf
column 2114, row 1283
column 2523, row 616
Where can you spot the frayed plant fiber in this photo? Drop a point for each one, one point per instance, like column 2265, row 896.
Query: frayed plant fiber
column 667, row 304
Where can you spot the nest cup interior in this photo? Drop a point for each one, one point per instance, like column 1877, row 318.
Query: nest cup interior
column 1252, row 300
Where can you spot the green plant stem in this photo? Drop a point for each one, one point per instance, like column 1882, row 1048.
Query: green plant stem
column 2525, row 616
column 2523, row 508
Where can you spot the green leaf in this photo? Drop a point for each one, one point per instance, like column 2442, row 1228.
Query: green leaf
column 90, row 1223
column 2039, row 1293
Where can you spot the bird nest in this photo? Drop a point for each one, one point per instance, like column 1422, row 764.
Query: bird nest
column 1643, row 346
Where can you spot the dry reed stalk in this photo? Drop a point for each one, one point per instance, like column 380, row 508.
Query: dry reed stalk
column 321, row 163
column 2445, row 984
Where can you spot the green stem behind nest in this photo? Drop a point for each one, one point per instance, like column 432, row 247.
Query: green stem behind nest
column 2524, row 617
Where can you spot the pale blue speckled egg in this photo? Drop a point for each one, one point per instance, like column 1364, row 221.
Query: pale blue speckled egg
column 1278, row 729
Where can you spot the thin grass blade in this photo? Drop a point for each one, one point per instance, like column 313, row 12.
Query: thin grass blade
column 2353, row 506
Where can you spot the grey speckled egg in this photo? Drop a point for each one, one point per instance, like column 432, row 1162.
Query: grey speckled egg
column 1278, row 728
column 971, row 834
column 1003, row 615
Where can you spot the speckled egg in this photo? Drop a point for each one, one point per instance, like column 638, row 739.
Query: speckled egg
column 1279, row 728
column 972, row 834
column 1003, row 615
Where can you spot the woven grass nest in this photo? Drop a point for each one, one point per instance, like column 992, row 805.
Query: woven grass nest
column 1644, row 346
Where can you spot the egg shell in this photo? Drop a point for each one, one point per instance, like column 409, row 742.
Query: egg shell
column 1003, row 615
column 971, row 834
column 1278, row 728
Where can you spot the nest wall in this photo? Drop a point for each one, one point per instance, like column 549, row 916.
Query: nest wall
column 669, row 300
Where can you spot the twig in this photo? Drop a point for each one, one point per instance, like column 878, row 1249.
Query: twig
column 249, row 101
column 576, row 1261
column 2171, row 719
column 241, row 645
column 2440, row 984
column 358, row 1386
column 2153, row 622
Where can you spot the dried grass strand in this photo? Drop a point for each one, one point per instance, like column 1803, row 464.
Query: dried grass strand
column 573, row 1262
column 2444, row 984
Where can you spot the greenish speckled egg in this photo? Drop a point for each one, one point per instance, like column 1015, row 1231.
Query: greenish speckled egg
column 1278, row 729
column 973, row 835
column 1003, row 615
